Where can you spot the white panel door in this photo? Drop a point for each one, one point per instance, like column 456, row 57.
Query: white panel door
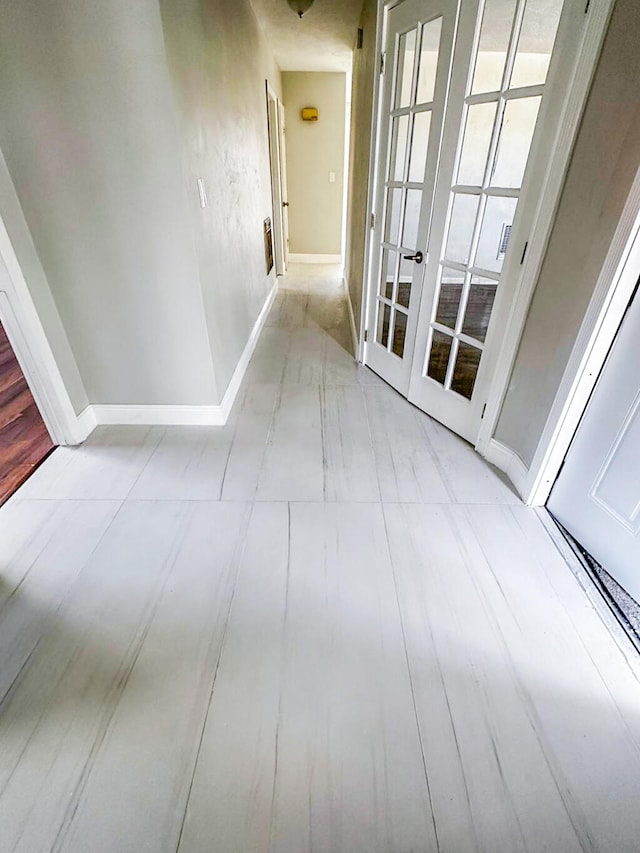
column 418, row 44
column 597, row 495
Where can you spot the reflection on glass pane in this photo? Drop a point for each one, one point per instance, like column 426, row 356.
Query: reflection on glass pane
column 449, row 297
column 399, row 331
column 411, row 219
column 463, row 217
column 479, row 304
column 428, row 61
column 538, row 33
column 439, row 356
column 392, row 223
column 477, row 138
column 404, row 282
column 498, row 216
column 398, row 148
column 407, row 51
column 382, row 332
column 516, row 134
column 419, row 145
column 494, row 41
column 388, row 273
column 466, row 370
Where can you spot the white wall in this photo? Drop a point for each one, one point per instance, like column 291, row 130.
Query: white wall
column 313, row 150
column 603, row 165
column 108, row 114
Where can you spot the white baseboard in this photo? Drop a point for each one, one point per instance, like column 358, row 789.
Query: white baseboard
column 96, row 414
column 314, row 259
column 352, row 319
column 86, row 422
column 507, row 460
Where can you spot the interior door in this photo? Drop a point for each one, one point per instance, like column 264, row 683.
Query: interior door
column 437, row 346
column 283, row 178
column 597, row 494
column 417, row 58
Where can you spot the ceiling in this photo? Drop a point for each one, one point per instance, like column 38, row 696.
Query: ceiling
column 321, row 41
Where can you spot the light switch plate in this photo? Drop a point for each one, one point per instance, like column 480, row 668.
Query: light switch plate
column 332, row 177
column 202, row 192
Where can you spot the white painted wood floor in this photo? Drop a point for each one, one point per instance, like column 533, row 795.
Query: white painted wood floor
column 328, row 626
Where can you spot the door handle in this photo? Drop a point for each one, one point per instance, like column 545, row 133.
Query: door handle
column 418, row 257
column 285, row 204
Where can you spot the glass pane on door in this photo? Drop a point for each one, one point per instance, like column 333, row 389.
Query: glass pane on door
column 451, row 286
column 462, row 223
column 482, row 294
column 419, row 144
column 466, row 369
column 475, row 148
column 537, row 36
column 406, row 56
column 495, row 232
column 428, row 61
column 518, row 125
column 495, row 35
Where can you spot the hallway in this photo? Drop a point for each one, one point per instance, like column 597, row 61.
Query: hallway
column 327, row 626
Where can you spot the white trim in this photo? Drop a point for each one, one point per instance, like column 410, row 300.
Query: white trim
column 87, row 422
column 297, row 258
column 613, row 290
column 218, row 415
column 578, row 90
column 157, row 415
column 509, row 461
column 372, row 189
column 31, row 347
column 352, row 319
column 241, row 368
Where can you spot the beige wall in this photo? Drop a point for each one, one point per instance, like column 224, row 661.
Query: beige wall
column 364, row 61
column 105, row 131
column 313, row 150
column 219, row 61
column 603, row 164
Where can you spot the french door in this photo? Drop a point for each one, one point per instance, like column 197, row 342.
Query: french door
column 447, row 195
column 419, row 43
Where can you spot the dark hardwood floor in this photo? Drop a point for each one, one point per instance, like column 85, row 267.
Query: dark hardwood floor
column 24, row 440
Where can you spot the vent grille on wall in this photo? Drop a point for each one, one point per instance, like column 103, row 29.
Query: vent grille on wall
column 268, row 244
column 504, row 241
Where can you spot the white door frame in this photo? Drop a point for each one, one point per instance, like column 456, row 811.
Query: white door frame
column 614, row 288
column 596, row 22
column 273, row 115
column 30, row 345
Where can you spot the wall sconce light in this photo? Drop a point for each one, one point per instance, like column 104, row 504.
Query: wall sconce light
column 309, row 114
column 300, row 6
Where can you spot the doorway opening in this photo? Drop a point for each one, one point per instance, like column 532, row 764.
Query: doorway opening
column 24, row 439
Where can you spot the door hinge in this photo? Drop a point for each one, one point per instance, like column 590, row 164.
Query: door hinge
column 484, row 409
column 366, row 335
column 382, row 56
column 373, row 220
column 524, row 252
